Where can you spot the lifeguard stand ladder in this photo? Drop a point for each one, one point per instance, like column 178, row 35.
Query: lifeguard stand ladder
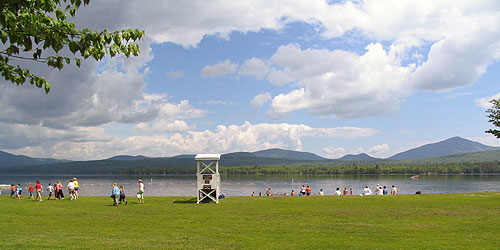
column 208, row 184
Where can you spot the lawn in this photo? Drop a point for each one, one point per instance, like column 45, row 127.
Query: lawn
column 440, row 221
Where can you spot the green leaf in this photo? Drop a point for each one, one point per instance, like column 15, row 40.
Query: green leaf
column 78, row 62
column 27, row 43
column 12, row 49
column 48, row 86
column 60, row 14
column 4, row 36
column 74, row 47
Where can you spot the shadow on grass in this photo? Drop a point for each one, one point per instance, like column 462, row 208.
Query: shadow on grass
column 190, row 201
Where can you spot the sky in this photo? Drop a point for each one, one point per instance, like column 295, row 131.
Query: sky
column 327, row 77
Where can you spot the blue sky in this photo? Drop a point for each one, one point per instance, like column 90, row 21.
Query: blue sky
column 332, row 78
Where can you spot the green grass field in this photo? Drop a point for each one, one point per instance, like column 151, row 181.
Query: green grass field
column 443, row 221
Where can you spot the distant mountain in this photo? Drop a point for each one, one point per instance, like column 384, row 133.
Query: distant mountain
column 288, row 154
column 11, row 160
column 451, row 146
column 127, row 158
column 473, row 157
column 358, row 157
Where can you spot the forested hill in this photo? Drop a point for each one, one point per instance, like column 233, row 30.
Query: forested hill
column 359, row 157
column 7, row 159
column 272, row 158
column 288, row 154
column 168, row 165
column 451, row 146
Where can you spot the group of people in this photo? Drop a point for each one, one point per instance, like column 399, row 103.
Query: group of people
column 380, row 190
column 118, row 194
column 55, row 191
column 307, row 191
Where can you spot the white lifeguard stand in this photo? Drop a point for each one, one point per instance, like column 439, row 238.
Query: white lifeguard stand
column 207, row 173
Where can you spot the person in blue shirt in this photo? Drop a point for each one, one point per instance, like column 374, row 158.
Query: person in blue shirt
column 19, row 191
column 115, row 193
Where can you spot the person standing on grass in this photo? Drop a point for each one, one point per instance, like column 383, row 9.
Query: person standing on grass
column 303, row 190
column 38, row 188
column 59, row 190
column 321, row 192
column 50, row 189
column 394, row 190
column 115, row 192
column 71, row 189
column 345, row 191
column 350, row 191
column 268, row 192
column 141, row 191
column 12, row 190
column 30, row 189
column 77, row 187
column 56, row 191
column 380, row 191
column 337, row 192
column 19, row 191
column 384, row 191
column 122, row 195
column 308, row 191
column 292, row 193
column 367, row 191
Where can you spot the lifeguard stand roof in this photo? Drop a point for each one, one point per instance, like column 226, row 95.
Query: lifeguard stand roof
column 207, row 157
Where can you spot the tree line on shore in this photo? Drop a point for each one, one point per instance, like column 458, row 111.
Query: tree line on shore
column 355, row 168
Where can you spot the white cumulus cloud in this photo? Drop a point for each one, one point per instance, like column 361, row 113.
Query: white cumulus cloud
column 334, row 152
column 223, row 139
column 377, row 149
column 254, row 67
column 219, row 69
column 485, row 101
column 260, row 99
column 341, row 83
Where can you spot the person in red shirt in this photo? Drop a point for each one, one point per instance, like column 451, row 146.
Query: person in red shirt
column 38, row 188
column 59, row 190
column 12, row 190
column 308, row 191
column 30, row 189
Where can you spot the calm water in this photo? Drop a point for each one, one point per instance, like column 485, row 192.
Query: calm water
column 245, row 185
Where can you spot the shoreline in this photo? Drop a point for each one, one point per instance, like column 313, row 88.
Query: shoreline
column 194, row 174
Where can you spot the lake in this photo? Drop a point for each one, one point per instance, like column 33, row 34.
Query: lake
column 244, row 185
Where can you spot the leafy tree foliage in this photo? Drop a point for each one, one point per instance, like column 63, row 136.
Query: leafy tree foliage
column 37, row 30
column 494, row 115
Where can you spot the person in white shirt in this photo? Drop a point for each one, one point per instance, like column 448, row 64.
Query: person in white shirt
column 140, row 194
column 321, row 192
column 337, row 192
column 394, row 190
column 71, row 189
column 380, row 190
column 50, row 189
column 367, row 191
column 303, row 190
